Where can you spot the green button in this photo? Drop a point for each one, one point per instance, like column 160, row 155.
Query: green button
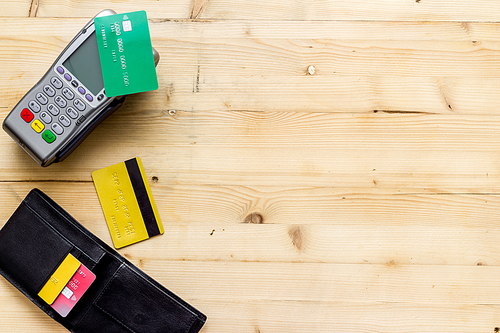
column 48, row 136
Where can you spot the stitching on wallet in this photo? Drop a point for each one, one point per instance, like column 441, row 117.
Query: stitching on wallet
column 144, row 279
column 36, row 300
column 109, row 282
column 153, row 285
column 104, row 291
column 191, row 324
column 84, row 232
column 69, row 222
column 58, row 232
column 116, row 319
column 97, row 298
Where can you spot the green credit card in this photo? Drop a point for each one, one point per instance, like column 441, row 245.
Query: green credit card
column 126, row 54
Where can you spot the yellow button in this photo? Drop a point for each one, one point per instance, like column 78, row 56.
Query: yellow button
column 37, row 125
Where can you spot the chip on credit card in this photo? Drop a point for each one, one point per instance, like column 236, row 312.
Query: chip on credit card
column 73, row 291
column 125, row 52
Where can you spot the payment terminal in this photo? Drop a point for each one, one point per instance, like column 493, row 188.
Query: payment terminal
column 68, row 102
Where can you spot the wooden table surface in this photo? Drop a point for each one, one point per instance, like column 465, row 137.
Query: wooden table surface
column 319, row 166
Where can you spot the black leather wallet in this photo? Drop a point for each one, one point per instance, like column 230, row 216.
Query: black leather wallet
column 40, row 234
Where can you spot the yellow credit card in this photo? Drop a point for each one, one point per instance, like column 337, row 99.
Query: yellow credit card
column 59, row 279
column 127, row 202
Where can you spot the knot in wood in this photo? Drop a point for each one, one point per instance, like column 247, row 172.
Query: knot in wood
column 256, row 218
column 311, row 70
column 296, row 236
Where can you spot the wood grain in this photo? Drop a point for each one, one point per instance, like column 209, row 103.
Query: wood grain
column 319, row 166
column 326, row 225
column 400, row 152
column 382, row 10
column 450, row 71
column 21, row 8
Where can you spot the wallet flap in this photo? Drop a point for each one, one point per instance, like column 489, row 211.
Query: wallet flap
column 140, row 306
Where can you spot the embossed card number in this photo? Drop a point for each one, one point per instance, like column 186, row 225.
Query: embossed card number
column 127, row 202
column 125, row 52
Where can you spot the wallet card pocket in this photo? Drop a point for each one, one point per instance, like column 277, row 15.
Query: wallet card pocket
column 30, row 250
column 140, row 306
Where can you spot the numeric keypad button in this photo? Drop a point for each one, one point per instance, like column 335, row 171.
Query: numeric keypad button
column 64, row 120
column 68, row 93
column 56, row 82
column 34, row 106
column 72, row 112
column 79, row 104
column 57, row 128
column 40, row 97
column 45, row 117
column 53, row 109
column 60, row 101
column 49, row 90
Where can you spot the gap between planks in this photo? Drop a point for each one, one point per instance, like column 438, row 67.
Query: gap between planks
column 34, row 8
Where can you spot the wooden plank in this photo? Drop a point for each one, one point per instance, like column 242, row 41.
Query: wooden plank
column 300, row 93
column 63, row 29
column 21, row 8
column 80, row 8
column 429, row 284
column 326, row 29
column 406, row 152
column 299, row 317
column 296, row 317
column 285, row 57
column 266, row 73
column 317, row 282
column 208, row 223
column 383, row 10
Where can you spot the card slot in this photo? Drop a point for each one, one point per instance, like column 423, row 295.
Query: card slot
column 104, row 272
column 140, row 305
column 30, row 251
column 83, row 258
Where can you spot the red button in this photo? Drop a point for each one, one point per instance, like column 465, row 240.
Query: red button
column 27, row 115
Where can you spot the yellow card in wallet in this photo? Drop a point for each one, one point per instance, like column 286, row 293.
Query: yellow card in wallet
column 127, row 202
column 59, row 279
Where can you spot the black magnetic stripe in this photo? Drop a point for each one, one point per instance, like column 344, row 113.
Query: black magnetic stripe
column 142, row 197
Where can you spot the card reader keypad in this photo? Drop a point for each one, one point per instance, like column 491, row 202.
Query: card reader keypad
column 72, row 112
column 57, row 108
